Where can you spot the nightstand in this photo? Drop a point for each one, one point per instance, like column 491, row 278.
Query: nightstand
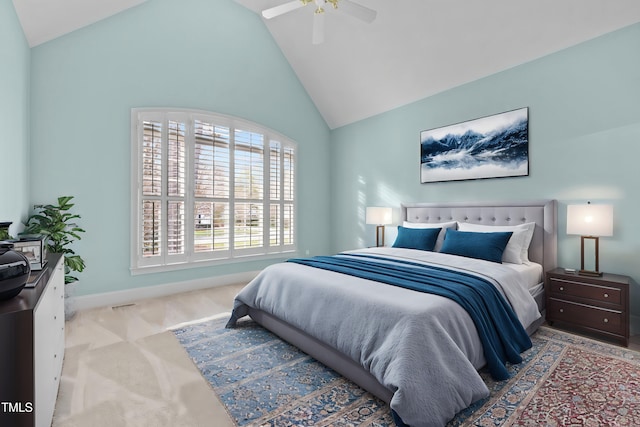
column 599, row 305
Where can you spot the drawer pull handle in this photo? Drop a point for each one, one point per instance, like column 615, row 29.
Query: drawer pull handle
column 606, row 320
column 562, row 288
column 562, row 310
column 606, row 295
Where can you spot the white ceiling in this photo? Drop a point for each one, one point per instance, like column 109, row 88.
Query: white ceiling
column 414, row 48
column 44, row 20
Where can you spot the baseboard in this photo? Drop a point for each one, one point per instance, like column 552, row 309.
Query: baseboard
column 107, row 299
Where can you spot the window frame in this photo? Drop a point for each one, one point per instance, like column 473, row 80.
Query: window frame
column 191, row 258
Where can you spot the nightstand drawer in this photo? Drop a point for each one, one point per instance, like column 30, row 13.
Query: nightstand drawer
column 588, row 316
column 563, row 287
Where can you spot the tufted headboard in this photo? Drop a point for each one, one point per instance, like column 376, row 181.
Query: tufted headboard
column 543, row 249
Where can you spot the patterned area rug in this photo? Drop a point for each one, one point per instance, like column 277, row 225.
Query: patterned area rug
column 564, row 380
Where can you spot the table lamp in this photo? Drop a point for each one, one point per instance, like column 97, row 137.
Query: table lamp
column 379, row 217
column 590, row 222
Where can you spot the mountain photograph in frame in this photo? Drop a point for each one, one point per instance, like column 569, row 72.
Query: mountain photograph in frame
column 489, row 147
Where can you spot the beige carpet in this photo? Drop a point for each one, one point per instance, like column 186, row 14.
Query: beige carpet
column 123, row 368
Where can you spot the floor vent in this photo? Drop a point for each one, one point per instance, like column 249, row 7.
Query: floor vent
column 122, row 306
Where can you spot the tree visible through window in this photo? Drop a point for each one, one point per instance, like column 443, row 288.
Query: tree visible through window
column 209, row 187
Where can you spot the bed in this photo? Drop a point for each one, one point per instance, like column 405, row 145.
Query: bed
column 418, row 352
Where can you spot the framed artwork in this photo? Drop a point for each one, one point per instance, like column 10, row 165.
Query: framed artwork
column 489, row 147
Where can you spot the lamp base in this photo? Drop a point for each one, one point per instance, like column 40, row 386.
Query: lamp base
column 590, row 273
column 379, row 235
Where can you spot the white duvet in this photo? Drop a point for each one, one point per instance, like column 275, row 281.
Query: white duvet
column 423, row 347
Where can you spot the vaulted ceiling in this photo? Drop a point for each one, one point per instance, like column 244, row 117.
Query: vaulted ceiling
column 413, row 49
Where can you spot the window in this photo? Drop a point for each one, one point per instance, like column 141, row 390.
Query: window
column 207, row 188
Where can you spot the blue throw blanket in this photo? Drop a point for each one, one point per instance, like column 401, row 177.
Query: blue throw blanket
column 501, row 333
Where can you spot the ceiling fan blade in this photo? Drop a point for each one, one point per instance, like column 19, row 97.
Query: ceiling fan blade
column 282, row 9
column 358, row 11
column 318, row 28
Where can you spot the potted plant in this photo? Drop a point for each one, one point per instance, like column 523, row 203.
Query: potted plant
column 55, row 222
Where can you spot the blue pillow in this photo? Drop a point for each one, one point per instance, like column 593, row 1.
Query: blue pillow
column 486, row 246
column 416, row 238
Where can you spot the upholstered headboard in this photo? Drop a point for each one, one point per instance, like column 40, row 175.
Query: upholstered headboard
column 543, row 249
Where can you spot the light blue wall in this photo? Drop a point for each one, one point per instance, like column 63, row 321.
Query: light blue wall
column 584, row 130
column 14, row 119
column 210, row 55
column 584, row 142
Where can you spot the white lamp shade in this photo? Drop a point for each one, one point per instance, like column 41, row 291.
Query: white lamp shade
column 590, row 220
column 378, row 216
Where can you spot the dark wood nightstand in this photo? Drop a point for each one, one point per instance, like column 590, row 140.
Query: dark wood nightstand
column 599, row 305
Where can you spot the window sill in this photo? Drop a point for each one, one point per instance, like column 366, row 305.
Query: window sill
column 135, row 271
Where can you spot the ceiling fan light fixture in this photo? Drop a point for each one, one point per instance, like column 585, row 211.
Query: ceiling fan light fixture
column 350, row 8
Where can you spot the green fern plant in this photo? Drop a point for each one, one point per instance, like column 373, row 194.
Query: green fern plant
column 56, row 223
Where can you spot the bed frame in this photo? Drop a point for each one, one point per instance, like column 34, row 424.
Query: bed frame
column 543, row 250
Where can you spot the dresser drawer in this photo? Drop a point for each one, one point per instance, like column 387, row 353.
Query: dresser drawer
column 587, row 316
column 585, row 290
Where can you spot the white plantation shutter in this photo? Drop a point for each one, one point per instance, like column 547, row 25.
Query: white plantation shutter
column 152, row 158
column 212, row 165
column 175, row 188
column 288, row 199
column 289, row 224
column 275, row 184
column 176, row 159
column 208, row 188
column 151, row 220
column 249, row 189
column 151, row 188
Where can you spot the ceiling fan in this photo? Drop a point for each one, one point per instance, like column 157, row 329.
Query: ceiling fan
column 350, row 8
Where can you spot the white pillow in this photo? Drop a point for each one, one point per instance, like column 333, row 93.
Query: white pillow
column 517, row 250
column 443, row 225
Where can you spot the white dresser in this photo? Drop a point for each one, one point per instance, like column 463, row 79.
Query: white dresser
column 32, row 343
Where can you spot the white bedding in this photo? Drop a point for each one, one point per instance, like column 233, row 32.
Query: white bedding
column 422, row 346
column 531, row 272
